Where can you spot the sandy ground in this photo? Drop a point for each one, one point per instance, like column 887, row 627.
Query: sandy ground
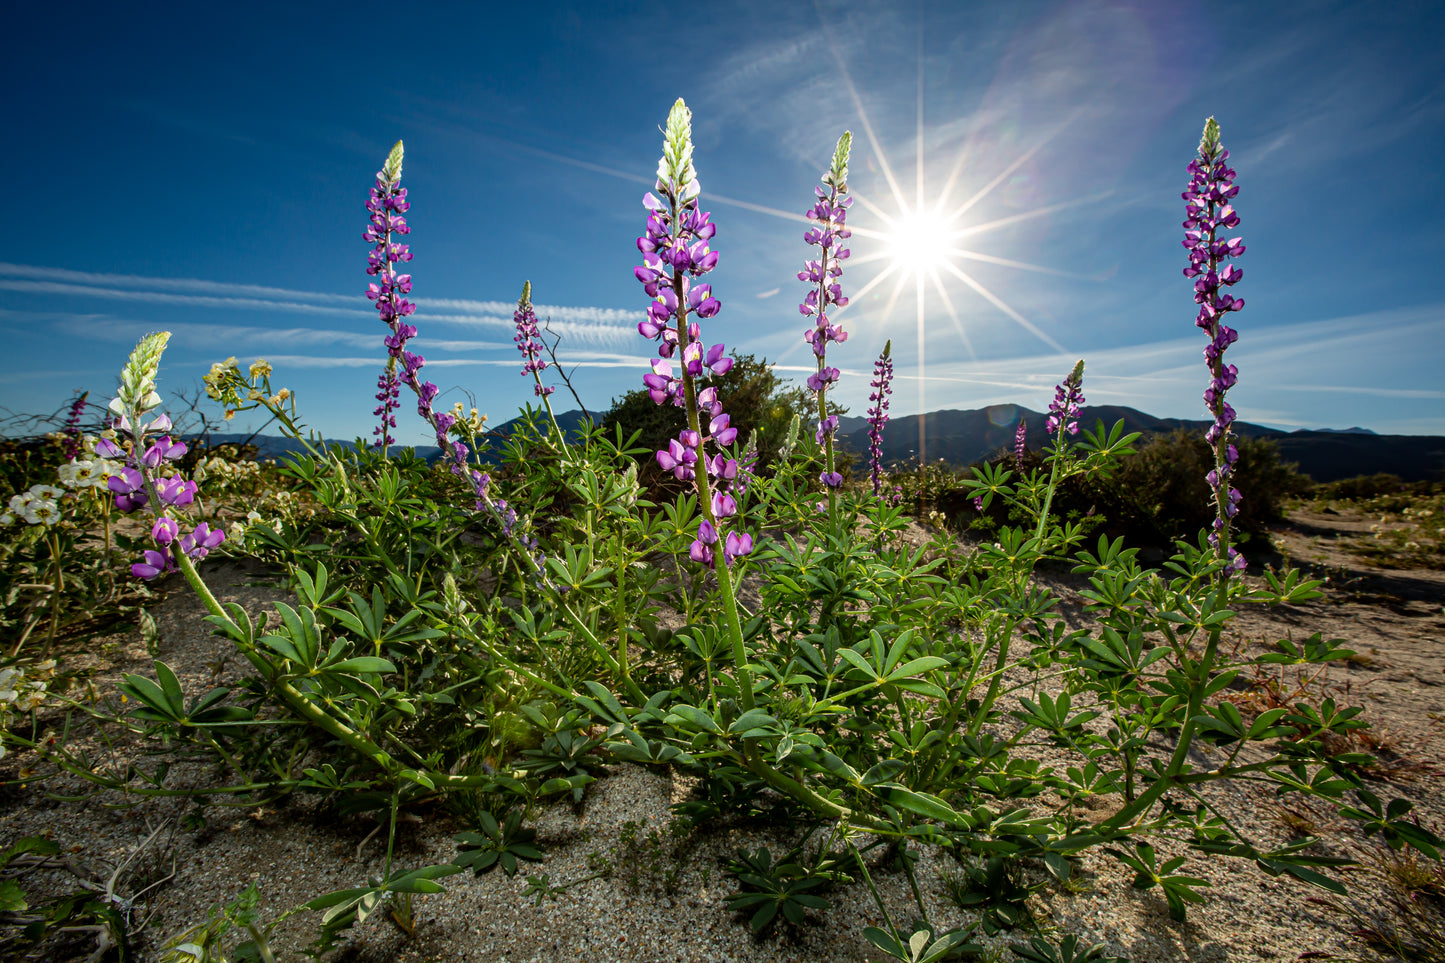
column 664, row 899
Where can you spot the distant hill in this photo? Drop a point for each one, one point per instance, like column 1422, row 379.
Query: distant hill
column 962, row 437
column 273, row 446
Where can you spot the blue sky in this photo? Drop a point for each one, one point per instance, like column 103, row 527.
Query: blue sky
column 202, row 169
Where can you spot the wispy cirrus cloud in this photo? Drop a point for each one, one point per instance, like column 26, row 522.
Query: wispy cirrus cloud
column 165, row 297
column 195, row 285
column 587, row 324
column 581, row 360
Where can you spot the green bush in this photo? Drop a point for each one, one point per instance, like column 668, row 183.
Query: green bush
column 1156, row 495
column 1373, row 486
column 759, row 403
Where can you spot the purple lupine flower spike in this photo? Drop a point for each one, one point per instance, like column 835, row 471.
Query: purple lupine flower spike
column 675, row 253
column 830, row 215
column 881, row 386
column 140, row 479
column 1065, row 406
column 528, row 340
column 1208, row 209
column 1021, row 444
column 388, row 202
column 72, row 427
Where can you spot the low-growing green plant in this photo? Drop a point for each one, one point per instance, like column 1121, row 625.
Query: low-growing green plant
column 786, row 888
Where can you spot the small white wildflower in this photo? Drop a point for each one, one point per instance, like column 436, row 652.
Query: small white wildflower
column 253, row 516
column 87, row 473
column 8, row 679
column 42, row 511
column 236, row 530
column 66, row 472
column 8, row 519
column 46, row 491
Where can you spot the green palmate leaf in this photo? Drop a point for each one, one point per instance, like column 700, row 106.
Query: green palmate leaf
column 154, row 704
column 923, row 804
column 753, row 719
column 1314, row 649
column 693, row 717
column 12, row 897
column 365, row 663
column 858, row 662
column 916, row 667
column 921, row 947
column 883, row 772
column 1389, row 822
column 1068, row 950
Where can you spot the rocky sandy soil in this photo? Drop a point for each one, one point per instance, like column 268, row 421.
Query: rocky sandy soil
column 664, row 898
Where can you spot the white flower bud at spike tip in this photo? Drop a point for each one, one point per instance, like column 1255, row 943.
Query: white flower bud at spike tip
column 838, row 175
column 137, row 393
column 1209, row 142
column 674, row 170
column 391, row 170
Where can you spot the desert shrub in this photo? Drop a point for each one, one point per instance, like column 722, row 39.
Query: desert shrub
column 1360, row 486
column 761, row 405
column 1160, row 492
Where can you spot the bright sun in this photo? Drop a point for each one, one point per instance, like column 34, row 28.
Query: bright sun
column 920, row 242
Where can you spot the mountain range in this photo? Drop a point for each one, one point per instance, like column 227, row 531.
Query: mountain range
column 961, row 437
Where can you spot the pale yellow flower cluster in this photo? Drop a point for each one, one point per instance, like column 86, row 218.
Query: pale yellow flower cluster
column 224, row 474
column 226, row 384
column 22, row 689
column 467, row 424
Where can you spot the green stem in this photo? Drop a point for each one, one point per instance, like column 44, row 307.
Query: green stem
column 109, row 568
column 391, row 833
column 619, row 608
column 1175, row 769
column 863, row 868
column 263, row 946
column 997, row 678
column 230, row 759
column 55, row 596
column 1053, row 484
